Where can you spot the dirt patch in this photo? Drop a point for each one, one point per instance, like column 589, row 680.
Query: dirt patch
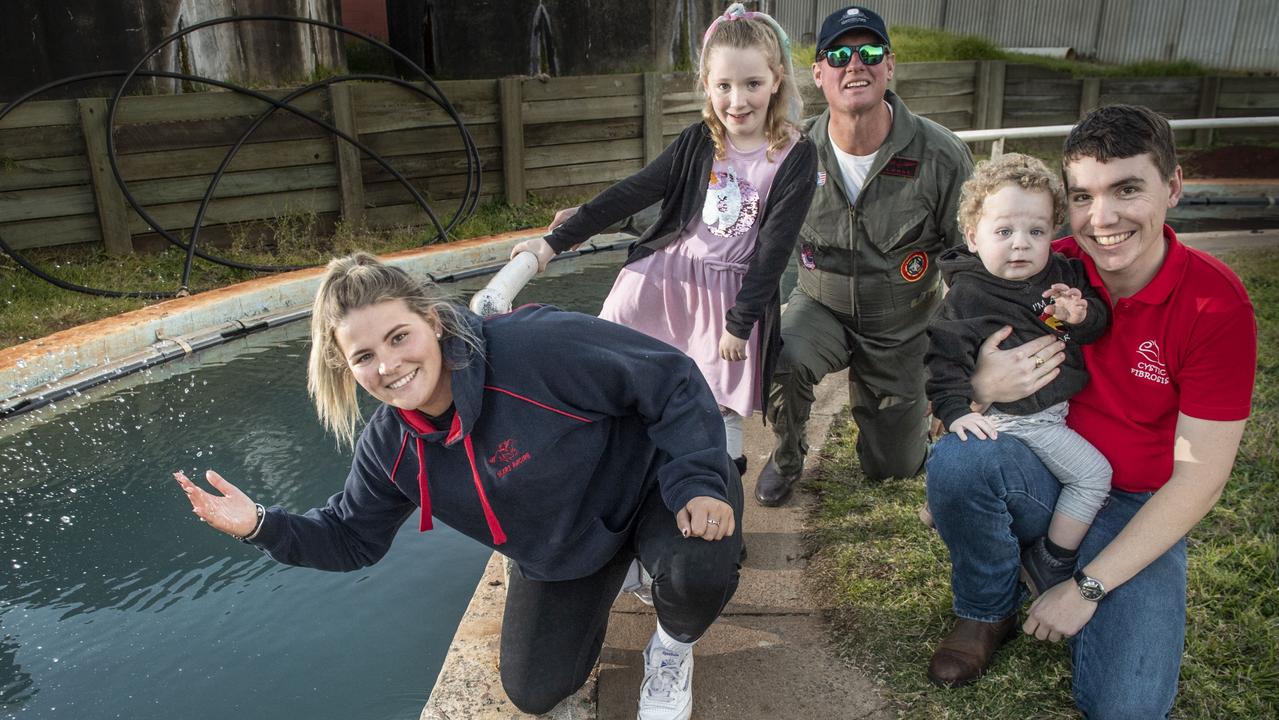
column 1233, row 161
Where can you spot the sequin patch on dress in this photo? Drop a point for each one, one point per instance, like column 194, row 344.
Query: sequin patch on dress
column 732, row 204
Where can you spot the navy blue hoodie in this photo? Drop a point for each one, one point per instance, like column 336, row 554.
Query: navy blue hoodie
column 562, row 427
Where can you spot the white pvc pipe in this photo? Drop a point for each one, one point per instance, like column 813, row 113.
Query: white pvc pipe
column 498, row 296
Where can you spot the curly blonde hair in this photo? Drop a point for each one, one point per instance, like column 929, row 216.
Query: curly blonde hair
column 783, row 108
column 352, row 282
column 1024, row 171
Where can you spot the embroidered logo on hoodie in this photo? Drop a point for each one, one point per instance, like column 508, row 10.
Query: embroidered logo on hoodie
column 509, row 456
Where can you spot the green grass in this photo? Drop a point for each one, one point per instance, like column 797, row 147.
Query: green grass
column 918, row 44
column 33, row 308
column 887, row 577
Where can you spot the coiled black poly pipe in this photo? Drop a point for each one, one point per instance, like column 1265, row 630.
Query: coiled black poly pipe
column 470, row 195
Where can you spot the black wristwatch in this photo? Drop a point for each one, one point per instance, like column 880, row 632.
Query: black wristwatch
column 1090, row 588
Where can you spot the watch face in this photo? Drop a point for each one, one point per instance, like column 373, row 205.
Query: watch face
column 1091, row 589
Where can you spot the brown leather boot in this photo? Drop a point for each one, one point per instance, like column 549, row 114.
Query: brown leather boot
column 965, row 653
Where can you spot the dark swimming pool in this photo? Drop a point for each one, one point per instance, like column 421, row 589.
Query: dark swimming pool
column 116, row 603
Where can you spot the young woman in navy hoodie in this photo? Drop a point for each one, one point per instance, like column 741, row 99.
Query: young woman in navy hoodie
column 569, row 444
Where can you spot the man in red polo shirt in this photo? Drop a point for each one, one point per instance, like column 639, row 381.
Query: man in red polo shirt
column 1170, row 391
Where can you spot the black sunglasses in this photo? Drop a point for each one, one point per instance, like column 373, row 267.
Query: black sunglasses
column 841, row 55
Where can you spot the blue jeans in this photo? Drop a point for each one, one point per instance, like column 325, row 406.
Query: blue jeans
column 990, row 497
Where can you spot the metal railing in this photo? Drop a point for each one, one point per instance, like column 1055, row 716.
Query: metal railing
column 999, row 135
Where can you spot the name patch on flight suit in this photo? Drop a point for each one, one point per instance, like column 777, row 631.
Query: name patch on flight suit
column 914, row 266
column 901, row 167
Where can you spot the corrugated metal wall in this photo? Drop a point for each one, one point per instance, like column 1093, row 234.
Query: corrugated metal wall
column 1228, row 34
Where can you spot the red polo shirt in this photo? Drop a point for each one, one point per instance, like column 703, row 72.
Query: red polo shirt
column 1185, row 343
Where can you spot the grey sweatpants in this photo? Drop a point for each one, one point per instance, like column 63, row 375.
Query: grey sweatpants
column 1081, row 469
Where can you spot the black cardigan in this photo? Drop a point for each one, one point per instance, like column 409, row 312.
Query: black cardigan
column 678, row 179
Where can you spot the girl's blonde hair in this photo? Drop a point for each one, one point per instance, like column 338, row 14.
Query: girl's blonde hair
column 740, row 29
column 352, row 282
column 1024, row 171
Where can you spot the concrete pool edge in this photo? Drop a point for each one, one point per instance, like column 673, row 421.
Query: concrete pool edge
column 104, row 349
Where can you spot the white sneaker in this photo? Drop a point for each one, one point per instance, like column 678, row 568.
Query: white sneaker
column 667, row 692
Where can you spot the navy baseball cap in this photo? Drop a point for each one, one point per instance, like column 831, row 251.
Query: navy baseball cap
column 848, row 19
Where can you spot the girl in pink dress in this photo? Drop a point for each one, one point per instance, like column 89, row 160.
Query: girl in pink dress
column 734, row 190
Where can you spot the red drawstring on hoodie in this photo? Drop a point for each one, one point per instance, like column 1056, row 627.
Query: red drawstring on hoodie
column 424, row 493
column 418, row 422
column 495, row 529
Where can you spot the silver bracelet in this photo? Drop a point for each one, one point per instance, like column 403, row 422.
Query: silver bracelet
column 256, row 528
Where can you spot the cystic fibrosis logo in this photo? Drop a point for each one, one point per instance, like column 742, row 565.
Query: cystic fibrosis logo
column 1150, row 363
column 1150, row 351
column 508, row 454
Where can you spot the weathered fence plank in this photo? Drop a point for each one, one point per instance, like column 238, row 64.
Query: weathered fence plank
column 582, row 86
column 1089, row 95
column 185, row 134
column 41, row 113
column 44, row 172
column 959, row 120
column 350, row 179
column 40, row 142
column 935, row 70
column 675, row 124
column 50, row 232
column 382, row 119
column 1248, row 100
column 1047, row 87
column 435, row 163
column 21, row 205
column 1150, row 86
column 549, row 111
column 179, row 216
column 144, row 109
column 510, row 90
column 578, row 153
column 572, row 132
column 106, row 192
column 1250, row 84
column 203, row 161
column 1179, row 105
column 433, row 189
column 249, row 183
column 652, row 143
column 414, row 141
column 380, row 95
column 966, row 85
column 944, row 104
column 581, row 174
column 1209, row 91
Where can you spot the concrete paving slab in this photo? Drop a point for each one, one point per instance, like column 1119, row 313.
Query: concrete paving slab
column 747, row 666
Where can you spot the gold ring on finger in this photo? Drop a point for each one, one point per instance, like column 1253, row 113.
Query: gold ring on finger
column 1038, row 361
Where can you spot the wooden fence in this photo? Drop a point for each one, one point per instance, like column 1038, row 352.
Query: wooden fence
column 554, row 137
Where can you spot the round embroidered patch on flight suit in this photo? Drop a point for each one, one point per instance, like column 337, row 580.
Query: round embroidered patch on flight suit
column 914, row 266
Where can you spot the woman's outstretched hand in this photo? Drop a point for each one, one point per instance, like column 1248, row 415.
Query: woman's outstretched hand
column 232, row 512
column 706, row 518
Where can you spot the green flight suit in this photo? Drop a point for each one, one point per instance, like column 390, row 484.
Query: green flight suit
column 868, row 283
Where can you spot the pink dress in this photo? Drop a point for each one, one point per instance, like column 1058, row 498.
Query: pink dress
column 682, row 293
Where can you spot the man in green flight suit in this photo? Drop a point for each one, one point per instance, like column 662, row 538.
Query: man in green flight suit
column 888, row 189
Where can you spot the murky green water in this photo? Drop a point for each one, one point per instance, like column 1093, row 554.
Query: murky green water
column 116, row 603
